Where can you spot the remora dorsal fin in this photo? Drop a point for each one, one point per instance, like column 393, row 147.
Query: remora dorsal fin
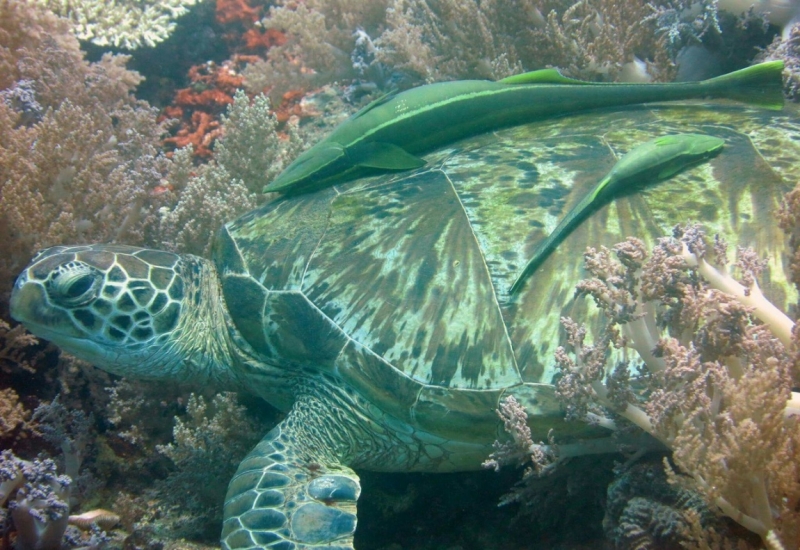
column 542, row 76
column 375, row 103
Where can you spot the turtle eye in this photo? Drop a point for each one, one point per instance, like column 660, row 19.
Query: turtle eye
column 74, row 284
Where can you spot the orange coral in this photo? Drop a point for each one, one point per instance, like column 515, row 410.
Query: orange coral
column 291, row 106
column 198, row 107
column 254, row 39
column 200, row 132
column 232, row 11
column 188, row 97
column 223, row 77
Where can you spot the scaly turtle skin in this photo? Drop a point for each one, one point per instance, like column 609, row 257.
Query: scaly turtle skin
column 377, row 314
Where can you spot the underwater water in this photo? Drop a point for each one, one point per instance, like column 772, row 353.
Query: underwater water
column 369, row 314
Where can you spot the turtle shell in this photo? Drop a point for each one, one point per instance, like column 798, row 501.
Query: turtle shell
column 397, row 285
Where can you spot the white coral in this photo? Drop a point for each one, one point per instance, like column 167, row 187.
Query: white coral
column 122, row 24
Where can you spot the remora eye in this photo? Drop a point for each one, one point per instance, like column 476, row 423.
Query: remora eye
column 74, row 285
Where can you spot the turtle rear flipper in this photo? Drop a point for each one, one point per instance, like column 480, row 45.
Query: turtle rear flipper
column 288, row 493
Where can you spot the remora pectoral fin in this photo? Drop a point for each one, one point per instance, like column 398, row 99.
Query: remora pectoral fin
column 383, row 156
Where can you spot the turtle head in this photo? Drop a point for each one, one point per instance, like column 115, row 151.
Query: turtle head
column 130, row 311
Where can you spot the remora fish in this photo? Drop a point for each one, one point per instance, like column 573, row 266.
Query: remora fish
column 655, row 160
column 391, row 132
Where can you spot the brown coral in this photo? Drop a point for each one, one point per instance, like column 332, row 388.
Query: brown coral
column 23, row 28
column 13, row 415
column 593, row 40
column 79, row 155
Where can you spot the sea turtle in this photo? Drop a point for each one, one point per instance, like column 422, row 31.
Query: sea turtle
column 376, row 313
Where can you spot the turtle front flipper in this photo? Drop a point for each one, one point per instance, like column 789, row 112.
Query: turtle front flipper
column 289, row 493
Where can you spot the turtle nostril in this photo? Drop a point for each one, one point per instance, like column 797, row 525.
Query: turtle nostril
column 21, row 280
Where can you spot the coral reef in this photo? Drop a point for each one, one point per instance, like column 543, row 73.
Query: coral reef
column 199, row 106
column 594, row 41
column 79, row 155
column 715, row 387
column 420, row 41
column 490, row 40
column 208, row 444
column 37, row 498
column 394, row 44
column 250, row 153
column 319, row 39
column 644, row 510
column 82, row 160
column 128, row 24
column 788, row 50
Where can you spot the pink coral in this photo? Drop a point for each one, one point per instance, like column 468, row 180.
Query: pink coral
column 718, row 385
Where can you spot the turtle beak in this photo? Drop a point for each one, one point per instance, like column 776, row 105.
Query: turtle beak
column 31, row 307
column 23, row 297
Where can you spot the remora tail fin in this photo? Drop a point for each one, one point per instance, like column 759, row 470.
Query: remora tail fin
column 760, row 85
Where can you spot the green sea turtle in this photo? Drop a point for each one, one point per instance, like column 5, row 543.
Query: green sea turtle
column 376, row 313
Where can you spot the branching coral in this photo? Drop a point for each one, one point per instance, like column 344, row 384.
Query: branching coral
column 456, row 39
column 319, row 39
column 716, row 388
column 13, row 415
column 392, row 42
column 128, row 24
column 596, row 40
column 250, row 153
column 15, row 344
column 78, row 154
column 25, row 28
column 208, row 445
column 376, row 40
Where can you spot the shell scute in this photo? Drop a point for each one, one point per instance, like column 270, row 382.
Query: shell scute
column 297, row 332
column 409, row 281
column 246, row 300
column 377, row 381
